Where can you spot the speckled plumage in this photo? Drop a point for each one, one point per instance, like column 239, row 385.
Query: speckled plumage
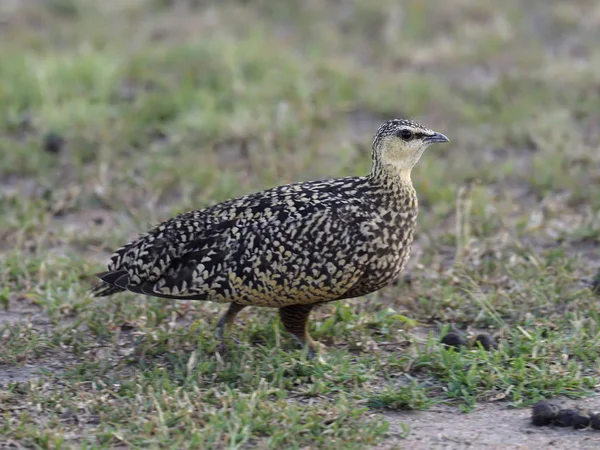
column 293, row 245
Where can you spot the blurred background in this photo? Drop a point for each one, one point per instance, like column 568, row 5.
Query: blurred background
column 115, row 115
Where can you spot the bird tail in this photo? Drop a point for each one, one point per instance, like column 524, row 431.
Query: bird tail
column 105, row 287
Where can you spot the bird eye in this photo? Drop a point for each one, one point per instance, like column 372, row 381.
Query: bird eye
column 406, row 134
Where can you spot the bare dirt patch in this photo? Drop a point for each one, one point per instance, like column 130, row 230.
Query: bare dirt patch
column 19, row 309
column 490, row 426
column 19, row 374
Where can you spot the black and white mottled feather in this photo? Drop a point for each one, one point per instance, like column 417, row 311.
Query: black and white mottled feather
column 297, row 244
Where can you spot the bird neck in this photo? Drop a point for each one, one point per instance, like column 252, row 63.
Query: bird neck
column 390, row 175
column 396, row 185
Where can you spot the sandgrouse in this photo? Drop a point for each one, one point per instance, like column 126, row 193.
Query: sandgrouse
column 290, row 247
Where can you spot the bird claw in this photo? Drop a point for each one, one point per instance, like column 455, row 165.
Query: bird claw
column 314, row 352
column 315, row 356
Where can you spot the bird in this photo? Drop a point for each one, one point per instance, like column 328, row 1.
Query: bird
column 290, row 247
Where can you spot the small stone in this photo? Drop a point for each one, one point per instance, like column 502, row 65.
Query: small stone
column 53, row 143
column 544, row 413
column 453, row 339
column 487, row 341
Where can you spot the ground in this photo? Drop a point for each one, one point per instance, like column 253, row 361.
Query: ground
column 117, row 115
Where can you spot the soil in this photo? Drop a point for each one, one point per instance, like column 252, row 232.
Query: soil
column 489, row 426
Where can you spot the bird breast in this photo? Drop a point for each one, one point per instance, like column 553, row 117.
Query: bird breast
column 389, row 239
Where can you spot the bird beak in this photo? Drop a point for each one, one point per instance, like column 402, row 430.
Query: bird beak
column 437, row 138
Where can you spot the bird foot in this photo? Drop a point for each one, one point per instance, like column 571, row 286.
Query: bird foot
column 315, row 350
column 316, row 356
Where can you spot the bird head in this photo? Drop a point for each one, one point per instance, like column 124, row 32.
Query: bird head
column 399, row 143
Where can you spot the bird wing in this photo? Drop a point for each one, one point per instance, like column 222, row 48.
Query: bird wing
column 282, row 254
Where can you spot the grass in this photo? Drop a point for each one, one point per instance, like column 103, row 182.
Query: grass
column 169, row 106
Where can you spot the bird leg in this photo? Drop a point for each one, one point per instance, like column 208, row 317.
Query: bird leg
column 295, row 321
column 226, row 322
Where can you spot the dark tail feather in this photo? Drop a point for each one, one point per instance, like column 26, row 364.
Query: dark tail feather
column 103, row 290
column 106, row 286
column 111, row 276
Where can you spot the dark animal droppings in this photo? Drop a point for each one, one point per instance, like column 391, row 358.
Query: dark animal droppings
column 487, row 341
column 573, row 418
column 453, row 339
column 53, row 143
column 544, row 413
